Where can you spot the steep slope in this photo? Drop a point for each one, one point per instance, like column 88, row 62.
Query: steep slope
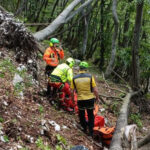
column 29, row 122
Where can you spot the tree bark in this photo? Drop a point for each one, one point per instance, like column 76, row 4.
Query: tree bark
column 61, row 19
column 121, row 122
column 114, row 38
column 39, row 11
column 19, row 10
column 102, row 50
column 135, row 46
column 126, row 26
column 51, row 15
column 85, row 31
column 144, row 141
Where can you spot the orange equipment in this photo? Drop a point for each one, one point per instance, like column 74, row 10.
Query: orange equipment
column 104, row 133
column 52, row 55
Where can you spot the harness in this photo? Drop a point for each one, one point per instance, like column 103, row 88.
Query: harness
column 83, row 75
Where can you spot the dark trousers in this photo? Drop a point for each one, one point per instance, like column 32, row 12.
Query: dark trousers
column 89, row 106
column 48, row 71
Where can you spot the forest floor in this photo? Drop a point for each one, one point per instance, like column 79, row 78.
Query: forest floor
column 30, row 122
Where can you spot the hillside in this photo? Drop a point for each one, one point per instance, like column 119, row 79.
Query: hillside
column 29, row 121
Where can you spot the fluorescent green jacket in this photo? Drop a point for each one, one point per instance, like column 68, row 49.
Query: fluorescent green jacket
column 64, row 72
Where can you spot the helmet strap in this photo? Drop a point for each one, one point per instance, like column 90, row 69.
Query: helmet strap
column 67, row 63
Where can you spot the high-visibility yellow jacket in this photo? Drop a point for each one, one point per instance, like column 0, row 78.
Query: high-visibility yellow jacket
column 52, row 55
column 84, row 83
column 64, row 72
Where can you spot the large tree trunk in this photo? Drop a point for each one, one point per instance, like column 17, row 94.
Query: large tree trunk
column 114, row 38
column 135, row 46
column 61, row 19
column 121, row 122
column 15, row 36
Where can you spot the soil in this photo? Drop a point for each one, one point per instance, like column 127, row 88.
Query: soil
column 24, row 121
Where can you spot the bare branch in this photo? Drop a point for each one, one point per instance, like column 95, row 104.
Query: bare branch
column 144, row 141
column 78, row 10
column 110, row 96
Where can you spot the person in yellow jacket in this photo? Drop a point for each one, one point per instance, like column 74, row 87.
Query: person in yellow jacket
column 87, row 92
column 51, row 57
column 61, row 77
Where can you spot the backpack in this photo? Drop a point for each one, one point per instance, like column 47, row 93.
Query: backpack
column 104, row 134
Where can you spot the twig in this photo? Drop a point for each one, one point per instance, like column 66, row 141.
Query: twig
column 114, row 88
column 111, row 87
column 117, row 90
column 120, row 77
column 102, row 100
column 36, row 24
column 110, row 96
column 6, row 121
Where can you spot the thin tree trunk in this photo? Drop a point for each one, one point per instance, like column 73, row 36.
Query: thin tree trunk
column 102, row 50
column 135, row 46
column 39, row 11
column 42, row 17
column 126, row 27
column 93, row 46
column 21, row 8
column 51, row 15
column 114, row 38
column 85, row 32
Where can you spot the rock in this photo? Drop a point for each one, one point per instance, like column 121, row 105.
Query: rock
column 53, row 123
column 21, row 67
column 17, row 79
column 2, row 139
column 1, row 55
column 21, row 95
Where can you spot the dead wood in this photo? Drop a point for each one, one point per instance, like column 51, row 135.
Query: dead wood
column 114, row 97
column 121, row 122
column 144, row 141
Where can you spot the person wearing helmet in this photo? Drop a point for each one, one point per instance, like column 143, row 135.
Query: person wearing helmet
column 60, row 79
column 87, row 92
column 51, row 57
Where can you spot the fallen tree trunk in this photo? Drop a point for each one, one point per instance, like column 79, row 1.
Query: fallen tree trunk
column 144, row 141
column 121, row 122
column 64, row 17
column 15, row 36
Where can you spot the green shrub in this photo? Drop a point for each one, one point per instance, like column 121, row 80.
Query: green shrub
column 6, row 138
column 136, row 118
column 41, row 109
column 1, row 119
column 40, row 144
